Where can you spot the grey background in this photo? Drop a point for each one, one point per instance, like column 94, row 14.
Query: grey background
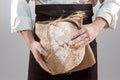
column 14, row 54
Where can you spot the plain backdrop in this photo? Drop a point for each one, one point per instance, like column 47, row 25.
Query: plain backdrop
column 14, row 54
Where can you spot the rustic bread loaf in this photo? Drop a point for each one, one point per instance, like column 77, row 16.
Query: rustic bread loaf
column 55, row 37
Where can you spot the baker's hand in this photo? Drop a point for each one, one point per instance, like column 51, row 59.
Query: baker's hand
column 84, row 36
column 88, row 33
column 37, row 51
column 35, row 47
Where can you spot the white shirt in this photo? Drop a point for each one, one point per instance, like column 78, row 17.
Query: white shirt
column 21, row 18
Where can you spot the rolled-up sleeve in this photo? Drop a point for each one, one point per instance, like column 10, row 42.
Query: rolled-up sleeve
column 21, row 18
column 109, row 11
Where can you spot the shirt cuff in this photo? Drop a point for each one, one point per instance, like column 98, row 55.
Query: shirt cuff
column 22, row 23
column 109, row 13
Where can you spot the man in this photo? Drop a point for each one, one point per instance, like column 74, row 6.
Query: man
column 21, row 21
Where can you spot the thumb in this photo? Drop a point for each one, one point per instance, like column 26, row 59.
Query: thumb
column 42, row 51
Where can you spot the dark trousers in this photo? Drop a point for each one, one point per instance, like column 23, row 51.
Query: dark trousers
column 52, row 12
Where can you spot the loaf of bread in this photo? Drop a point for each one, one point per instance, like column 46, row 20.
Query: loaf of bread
column 55, row 37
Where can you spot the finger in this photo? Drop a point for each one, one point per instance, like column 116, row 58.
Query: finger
column 42, row 64
column 44, row 51
column 83, row 42
column 41, row 51
column 39, row 59
column 78, row 39
column 80, row 32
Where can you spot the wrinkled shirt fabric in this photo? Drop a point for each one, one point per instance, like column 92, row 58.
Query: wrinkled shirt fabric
column 21, row 18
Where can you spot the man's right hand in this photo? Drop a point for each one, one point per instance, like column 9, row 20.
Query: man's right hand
column 36, row 48
column 37, row 51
